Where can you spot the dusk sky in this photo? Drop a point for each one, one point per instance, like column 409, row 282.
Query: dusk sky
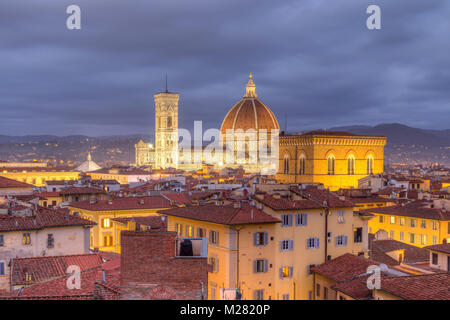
column 312, row 60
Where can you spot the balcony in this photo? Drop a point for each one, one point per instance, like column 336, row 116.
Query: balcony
column 199, row 248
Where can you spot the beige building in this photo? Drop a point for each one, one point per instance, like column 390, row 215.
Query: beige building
column 43, row 232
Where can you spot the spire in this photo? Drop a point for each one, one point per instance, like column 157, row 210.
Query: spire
column 250, row 88
column 89, row 158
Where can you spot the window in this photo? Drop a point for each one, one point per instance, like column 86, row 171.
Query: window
column 331, row 163
column 258, row 294
column 423, row 224
column 285, row 272
column 312, row 243
column 351, row 164
column 213, row 293
column 434, row 225
column 310, row 293
column 302, row 165
column 412, row 223
column 369, row 165
column 318, row 290
column 341, row 216
column 358, row 235
column 260, row 238
column 286, row 220
column 169, row 122
column 381, row 219
column 434, row 239
column 106, row 223
column 2, row 268
column 214, row 262
column 26, row 239
column 201, row 232
column 325, row 293
column 391, row 234
column 2, row 240
column 213, row 237
column 286, row 164
column 340, row 240
column 392, row 220
column 189, row 231
column 286, row 296
column 434, row 258
column 108, row 241
column 179, row 229
column 50, row 240
column 412, row 238
column 401, row 221
column 423, row 239
column 301, row 219
column 402, row 236
column 286, row 245
column 260, row 266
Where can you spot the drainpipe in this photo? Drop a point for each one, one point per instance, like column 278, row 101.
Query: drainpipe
column 327, row 212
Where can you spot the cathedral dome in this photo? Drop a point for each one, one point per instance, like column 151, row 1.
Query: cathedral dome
column 249, row 113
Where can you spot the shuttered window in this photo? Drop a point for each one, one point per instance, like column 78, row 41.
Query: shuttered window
column 286, row 245
column 340, row 240
column 312, row 243
column 286, row 272
column 260, row 266
column 301, row 219
column 260, row 238
column 286, row 220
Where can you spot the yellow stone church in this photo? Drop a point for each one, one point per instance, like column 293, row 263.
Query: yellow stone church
column 335, row 159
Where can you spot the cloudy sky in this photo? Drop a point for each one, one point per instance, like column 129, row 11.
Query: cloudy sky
column 314, row 62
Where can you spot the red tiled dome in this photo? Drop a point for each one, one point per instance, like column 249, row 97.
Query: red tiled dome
column 249, row 113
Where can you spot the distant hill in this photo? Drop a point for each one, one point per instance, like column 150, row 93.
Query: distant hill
column 404, row 144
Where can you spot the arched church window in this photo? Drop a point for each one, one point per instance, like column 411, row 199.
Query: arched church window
column 351, row 164
column 169, row 122
column 286, row 164
column 331, row 164
column 302, row 165
column 370, row 164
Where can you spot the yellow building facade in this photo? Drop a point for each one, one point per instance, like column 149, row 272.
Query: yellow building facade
column 420, row 227
column 38, row 175
column 335, row 159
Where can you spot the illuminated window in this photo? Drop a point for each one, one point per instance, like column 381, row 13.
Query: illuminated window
column 26, row 239
column 412, row 238
column 179, row 229
column 331, row 164
column 351, row 164
column 412, row 223
column 285, row 272
column 434, row 225
column 402, row 236
column 423, row 239
column 391, row 234
column 392, row 220
column 106, row 223
column 107, row 241
column 401, row 221
column 189, row 231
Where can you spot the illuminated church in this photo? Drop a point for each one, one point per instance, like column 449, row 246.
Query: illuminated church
column 335, row 159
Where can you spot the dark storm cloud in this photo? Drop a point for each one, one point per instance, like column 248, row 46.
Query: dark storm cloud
column 314, row 61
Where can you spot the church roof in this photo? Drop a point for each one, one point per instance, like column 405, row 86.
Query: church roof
column 88, row 165
column 249, row 113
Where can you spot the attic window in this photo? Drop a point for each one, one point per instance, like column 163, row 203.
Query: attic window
column 26, row 239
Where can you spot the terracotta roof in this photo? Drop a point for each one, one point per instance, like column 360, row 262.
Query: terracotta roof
column 47, row 194
column 179, row 198
column 443, row 247
column 249, row 113
column 285, row 204
column 126, row 203
column 40, row 269
column 389, row 190
column 422, row 287
column 412, row 254
column 322, row 197
column 81, row 190
column 155, row 222
column 222, row 214
column 415, row 209
column 59, row 182
column 374, row 199
column 10, row 183
column 344, row 267
column 355, row 288
column 44, row 218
